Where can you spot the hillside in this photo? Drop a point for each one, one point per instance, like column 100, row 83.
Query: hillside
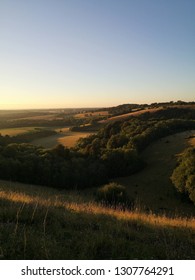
column 152, row 186
column 42, row 223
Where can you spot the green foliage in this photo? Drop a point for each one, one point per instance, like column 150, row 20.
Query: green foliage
column 114, row 195
column 114, row 151
column 58, row 167
column 183, row 176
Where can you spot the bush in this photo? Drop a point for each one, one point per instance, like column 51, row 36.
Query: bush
column 115, row 195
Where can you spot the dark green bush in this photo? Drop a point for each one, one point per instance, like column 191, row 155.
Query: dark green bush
column 115, row 195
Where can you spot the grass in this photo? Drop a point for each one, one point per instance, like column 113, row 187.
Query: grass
column 43, row 223
column 16, row 131
column 152, row 187
column 38, row 117
column 65, row 137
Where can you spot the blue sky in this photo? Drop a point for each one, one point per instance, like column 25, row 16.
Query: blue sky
column 91, row 53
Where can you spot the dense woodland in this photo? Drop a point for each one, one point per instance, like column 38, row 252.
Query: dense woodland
column 115, row 150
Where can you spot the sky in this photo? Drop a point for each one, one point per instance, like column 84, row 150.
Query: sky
column 95, row 53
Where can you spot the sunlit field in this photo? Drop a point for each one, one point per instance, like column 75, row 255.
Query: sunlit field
column 16, row 131
column 71, row 140
column 136, row 113
column 65, row 137
column 92, row 114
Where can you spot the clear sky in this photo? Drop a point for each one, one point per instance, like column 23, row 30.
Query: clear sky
column 91, row 53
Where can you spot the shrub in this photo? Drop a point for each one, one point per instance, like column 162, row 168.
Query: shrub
column 115, row 195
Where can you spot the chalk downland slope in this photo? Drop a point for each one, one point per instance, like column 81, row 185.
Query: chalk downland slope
column 43, row 223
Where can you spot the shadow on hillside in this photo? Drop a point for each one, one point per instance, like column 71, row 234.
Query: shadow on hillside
column 152, row 187
column 31, row 231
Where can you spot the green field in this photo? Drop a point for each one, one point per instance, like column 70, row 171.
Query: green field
column 152, row 186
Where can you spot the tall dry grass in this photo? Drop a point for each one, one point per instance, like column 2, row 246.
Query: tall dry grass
column 42, row 223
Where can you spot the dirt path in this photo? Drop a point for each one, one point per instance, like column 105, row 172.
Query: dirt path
column 152, row 186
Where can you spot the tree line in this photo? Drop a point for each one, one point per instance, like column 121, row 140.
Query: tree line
column 183, row 176
column 114, row 151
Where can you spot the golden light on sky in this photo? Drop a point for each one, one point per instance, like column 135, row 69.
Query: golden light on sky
column 96, row 53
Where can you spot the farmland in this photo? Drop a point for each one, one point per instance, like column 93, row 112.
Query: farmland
column 16, row 131
column 65, row 137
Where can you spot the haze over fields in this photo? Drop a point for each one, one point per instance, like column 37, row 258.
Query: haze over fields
column 95, row 53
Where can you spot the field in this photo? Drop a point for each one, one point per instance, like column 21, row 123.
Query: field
column 41, row 117
column 65, row 137
column 16, row 131
column 137, row 113
column 152, row 186
column 143, row 111
column 92, row 114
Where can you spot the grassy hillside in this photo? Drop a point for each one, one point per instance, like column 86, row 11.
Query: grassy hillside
column 42, row 223
column 152, row 186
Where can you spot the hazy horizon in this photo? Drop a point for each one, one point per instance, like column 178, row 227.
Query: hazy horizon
column 75, row 54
